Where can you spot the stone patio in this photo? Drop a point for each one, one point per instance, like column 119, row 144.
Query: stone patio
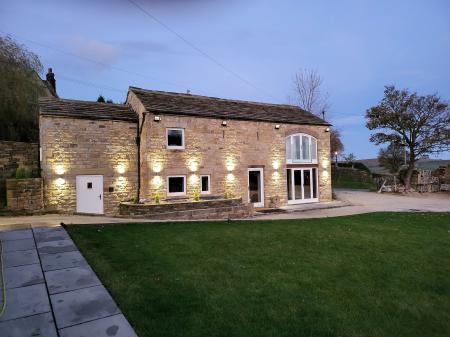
column 51, row 291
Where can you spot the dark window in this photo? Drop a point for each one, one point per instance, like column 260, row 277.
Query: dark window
column 205, row 183
column 89, row 185
column 176, row 184
column 175, row 137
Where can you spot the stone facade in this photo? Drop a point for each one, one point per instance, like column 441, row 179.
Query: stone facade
column 14, row 155
column 224, row 153
column 73, row 146
column 24, row 195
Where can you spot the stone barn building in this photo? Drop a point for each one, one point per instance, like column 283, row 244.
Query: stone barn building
column 169, row 146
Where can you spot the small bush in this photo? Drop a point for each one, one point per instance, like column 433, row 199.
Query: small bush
column 135, row 199
column 157, row 198
column 23, row 173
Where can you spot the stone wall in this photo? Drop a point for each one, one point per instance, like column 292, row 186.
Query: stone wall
column 13, row 155
column 24, row 194
column 224, row 153
column 72, row 147
column 189, row 210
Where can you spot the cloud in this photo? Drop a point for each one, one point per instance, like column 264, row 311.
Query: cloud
column 134, row 47
column 104, row 53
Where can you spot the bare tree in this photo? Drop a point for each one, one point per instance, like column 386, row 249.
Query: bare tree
column 336, row 145
column 422, row 123
column 308, row 91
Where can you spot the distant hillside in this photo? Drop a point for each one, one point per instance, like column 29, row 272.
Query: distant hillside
column 423, row 164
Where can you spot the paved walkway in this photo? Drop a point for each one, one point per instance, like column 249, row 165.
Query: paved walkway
column 51, row 291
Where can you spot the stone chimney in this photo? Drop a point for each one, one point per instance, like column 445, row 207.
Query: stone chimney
column 51, row 79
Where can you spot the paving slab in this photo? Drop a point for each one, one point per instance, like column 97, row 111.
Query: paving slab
column 20, row 258
column 116, row 326
column 53, row 247
column 23, row 276
column 62, row 260
column 26, row 301
column 39, row 227
column 16, row 234
column 70, row 279
column 15, row 245
column 54, row 234
column 84, row 305
column 41, row 325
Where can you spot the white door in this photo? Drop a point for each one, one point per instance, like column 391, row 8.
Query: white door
column 90, row 194
column 256, row 186
column 302, row 185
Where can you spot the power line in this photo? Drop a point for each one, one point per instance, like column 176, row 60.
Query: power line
column 193, row 46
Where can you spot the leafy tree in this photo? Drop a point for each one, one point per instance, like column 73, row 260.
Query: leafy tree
column 350, row 159
column 420, row 122
column 20, row 88
column 392, row 157
column 101, row 99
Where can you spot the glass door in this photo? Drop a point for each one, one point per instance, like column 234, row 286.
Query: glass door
column 302, row 185
column 256, row 187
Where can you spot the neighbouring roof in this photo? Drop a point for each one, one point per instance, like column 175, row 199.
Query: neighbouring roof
column 85, row 109
column 203, row 106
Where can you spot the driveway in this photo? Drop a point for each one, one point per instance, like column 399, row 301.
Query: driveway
column 358, row 201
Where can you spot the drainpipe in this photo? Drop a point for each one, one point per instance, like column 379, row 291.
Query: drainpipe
column 138, row 143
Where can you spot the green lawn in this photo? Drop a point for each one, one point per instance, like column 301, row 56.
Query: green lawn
column 379, row 274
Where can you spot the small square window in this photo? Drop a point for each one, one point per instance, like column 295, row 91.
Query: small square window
column 205, row 184
column 175, row 138
column 176, row 185
column 89, row 186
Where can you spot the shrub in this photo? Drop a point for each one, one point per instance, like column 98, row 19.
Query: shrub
column 23, row 173
column 157, row 198
column 135, row 199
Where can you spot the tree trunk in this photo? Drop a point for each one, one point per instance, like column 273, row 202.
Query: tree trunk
column 409, row 172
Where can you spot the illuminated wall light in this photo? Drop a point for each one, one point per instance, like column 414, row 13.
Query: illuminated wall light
column 276, row 164
column 120, row 168
column 327, row 130
column 60, row 182
column 193, row 179
column 230, row 177
column 224, row 123
column 59, row 169
column 325, row 174
column 276, row 176
column 156, row 181
column 157, row 118
column 193, row 166
column 277, row 126
column 157, row 167
column 325, row 163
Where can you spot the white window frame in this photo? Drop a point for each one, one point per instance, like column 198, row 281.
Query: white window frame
column 302, row 200
column 175, row 147
column 290, row 139
column 209, row 184
column 174, row 194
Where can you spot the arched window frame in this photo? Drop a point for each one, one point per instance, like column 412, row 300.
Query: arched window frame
column 295, row 149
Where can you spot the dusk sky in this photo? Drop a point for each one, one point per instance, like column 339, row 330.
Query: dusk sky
column 102, row 47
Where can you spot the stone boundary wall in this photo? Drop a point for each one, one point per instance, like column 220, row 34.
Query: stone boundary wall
column 25, row 195
column 189, row 210
column 13, row 155
column 351, row 174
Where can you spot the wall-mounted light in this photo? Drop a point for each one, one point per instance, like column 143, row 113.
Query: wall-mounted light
column 193, row 179
column 193, row 166
column 276, row 164
column 230, row 177
column 59, row 169
column 156, row 181
column 157, row 118
column 157, row 167
column 60, row 182
column 277, row 126
column 327, row 129
column 120, row 168
column 224, row 123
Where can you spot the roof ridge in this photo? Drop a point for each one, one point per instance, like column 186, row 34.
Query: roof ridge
column 131, row 88
column 67, row 100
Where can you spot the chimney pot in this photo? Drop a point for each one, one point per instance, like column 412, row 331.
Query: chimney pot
column 51, row 79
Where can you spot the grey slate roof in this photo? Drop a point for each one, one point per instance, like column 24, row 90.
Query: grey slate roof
column 85, row 110
column 203, row 106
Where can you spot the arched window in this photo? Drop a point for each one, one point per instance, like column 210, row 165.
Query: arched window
column 301, row 148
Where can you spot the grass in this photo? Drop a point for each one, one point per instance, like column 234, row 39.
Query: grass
column 379, row 274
